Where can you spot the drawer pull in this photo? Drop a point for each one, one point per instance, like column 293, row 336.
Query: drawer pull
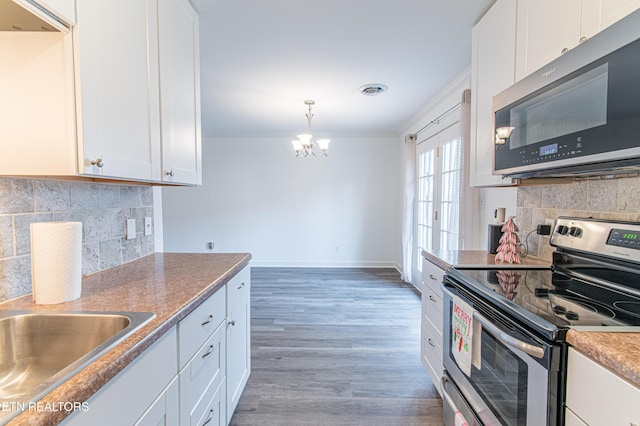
column 209, row 319
column 209, row 352
column 209, row 418
column 432, row 299
column 232, row 322
column 240, row 286
column 430, row 342
column 433, row 277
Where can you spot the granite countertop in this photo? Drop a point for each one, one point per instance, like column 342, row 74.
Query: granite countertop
column 619, row 352
column 169, row 284
column 477, row 259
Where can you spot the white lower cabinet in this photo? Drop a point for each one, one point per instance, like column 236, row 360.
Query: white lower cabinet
column 194, row 375
column 201, row 378
column 131, row 395
column 238, row 337
column 164, row 410
column 431, row 330
column 598, row 396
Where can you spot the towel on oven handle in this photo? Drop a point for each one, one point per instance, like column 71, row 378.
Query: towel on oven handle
column 465, row 341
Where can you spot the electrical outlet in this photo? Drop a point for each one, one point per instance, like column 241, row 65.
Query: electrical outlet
column 148, row 229
column 131, row 229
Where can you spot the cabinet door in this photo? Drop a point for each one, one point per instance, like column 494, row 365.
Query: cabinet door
column 117, row 85
column 492, row 70
column 545, row 28
column 127, row 397
column 180, row 92
column 599, row 14
column 238, row 337
column 164, row 411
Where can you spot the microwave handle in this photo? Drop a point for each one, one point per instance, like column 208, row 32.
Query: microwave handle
column 533, row 350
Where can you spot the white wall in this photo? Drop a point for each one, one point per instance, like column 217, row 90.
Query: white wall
column 257, row 197
column 490, row 200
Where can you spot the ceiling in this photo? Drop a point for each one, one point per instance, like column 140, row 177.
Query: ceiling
column 261, row 59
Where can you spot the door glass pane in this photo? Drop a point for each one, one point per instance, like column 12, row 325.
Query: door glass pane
column 426, row 177
column 450, row 197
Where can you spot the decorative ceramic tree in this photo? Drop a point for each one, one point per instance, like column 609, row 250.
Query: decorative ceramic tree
column 509, row 249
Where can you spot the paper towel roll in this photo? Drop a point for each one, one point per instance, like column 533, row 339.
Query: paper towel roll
column 56, row 261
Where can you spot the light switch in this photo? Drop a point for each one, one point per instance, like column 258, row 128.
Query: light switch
column 131, row 229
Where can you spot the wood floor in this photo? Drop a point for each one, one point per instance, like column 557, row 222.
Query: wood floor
column 335, row 347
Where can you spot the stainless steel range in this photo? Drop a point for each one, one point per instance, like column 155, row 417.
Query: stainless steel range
column 510, row 369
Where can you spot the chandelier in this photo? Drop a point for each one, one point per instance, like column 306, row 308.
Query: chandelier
column 305, row 145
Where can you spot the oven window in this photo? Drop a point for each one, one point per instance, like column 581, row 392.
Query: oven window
column 501, row 381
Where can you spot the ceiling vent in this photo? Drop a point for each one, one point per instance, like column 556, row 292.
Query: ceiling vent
column 373, row 89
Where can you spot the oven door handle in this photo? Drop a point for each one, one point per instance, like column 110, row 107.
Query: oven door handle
column 528, row 348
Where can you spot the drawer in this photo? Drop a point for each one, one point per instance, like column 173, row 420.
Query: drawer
column 432, row 276
column 434, row 341
column 211, row 411
column 198, row 326
column 432, row 307
column 239, row 290
column 203, row 371
column 431, row 356
column 599, row 396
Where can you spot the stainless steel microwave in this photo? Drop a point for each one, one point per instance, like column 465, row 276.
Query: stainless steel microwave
column 579, row 115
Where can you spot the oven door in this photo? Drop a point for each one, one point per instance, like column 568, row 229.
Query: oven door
column 510, row 378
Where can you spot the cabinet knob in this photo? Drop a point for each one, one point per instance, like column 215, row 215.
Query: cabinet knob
column 98, row 162
column 563, row 51
column 169, row 173
column 582, row 40
column 209, row 318
column 431, row 342
column 432, row 299
column 240, row 286
column 232, row 322
column 433, row 277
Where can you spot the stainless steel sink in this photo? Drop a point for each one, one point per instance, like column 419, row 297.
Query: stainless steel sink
column 39, row 350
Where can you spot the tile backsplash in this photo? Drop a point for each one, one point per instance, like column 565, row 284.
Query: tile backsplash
column 617, row 199
column 102, row 208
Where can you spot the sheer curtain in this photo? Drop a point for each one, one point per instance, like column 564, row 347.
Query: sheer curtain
column 469, row 197
column 408, row 200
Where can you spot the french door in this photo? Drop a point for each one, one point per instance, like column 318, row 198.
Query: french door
column 438, row 182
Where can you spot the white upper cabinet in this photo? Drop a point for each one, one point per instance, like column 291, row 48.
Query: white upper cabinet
column 117, row 88
column 180, row 92
column 90, row 102
column 492, row 70
column 547, row 28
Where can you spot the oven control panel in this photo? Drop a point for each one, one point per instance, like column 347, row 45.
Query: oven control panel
column 624, row 238
column 610, row 238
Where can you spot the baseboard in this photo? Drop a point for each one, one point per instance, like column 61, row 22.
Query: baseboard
column 324, row 264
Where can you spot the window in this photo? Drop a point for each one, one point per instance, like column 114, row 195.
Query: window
column 439, row 174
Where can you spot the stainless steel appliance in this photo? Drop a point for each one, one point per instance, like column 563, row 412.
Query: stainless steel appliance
column 579, row 115
column 521, row 318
